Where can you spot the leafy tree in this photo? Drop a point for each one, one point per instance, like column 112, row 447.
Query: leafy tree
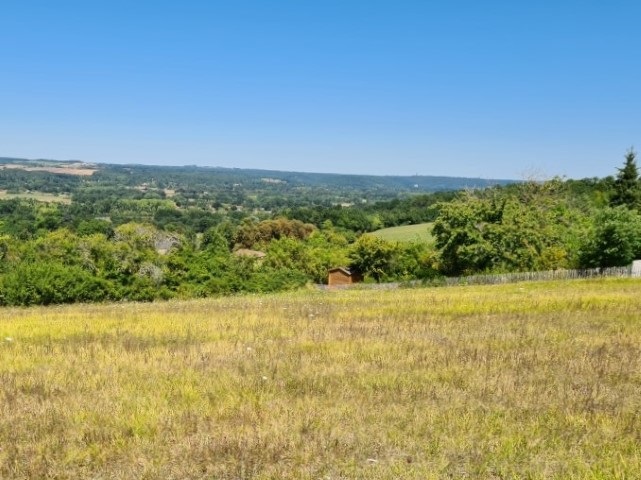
column 214, row 241
column 412, row 260
column 371, row 256
column 49, row 218
column 627, row 190
column 93, row 226
column 251, row 233
column 529, row 228
column 325, row 249
column 463, row 233
column 287, row 253
column 615, row 239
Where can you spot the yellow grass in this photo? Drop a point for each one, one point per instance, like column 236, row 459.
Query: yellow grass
column 538, row 380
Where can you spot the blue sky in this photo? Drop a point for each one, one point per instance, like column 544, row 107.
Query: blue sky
column 494, row 89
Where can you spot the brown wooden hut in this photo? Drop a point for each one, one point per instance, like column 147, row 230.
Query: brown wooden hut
column 339, row 276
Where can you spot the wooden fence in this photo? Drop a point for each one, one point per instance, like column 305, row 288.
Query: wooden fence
column 495, row 279
column 540, row 276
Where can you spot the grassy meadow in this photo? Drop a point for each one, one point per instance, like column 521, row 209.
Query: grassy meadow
column 421, row 232
column 531, row 380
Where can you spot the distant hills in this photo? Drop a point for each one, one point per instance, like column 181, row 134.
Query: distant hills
column 409, row 183
column 212, row 177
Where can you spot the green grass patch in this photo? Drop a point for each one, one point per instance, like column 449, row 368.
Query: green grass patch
column 421, row 232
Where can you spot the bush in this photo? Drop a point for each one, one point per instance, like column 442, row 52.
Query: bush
column 51, row 283
column 269, row 280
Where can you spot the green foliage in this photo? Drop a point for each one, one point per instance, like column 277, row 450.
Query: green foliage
column 627, row 189
column 459, row 234
column 143, row 232
column 593, row 192
column 19, row 180
column 412, row 261
column 51, row 283
column 267, row 280
column 312, row 257
column 371, row 256
column 529, row 228
column 251, row 233
column 326, row 249
column 93, row 226
column 615, row 239
column 214, row 241
column 18, row 218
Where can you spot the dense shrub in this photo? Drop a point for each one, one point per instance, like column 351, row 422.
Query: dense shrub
column 51, row 283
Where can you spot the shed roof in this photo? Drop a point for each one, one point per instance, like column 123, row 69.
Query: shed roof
column 345, row 270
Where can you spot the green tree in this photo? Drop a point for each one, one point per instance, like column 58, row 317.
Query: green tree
column 615, row 240
column 372, row 256
column 214, row 241
column 313, row 256
column 412, row 260
column 463, row 232
column 93, row 226
column 531, row 227
column 627, row 190
column 325, row 249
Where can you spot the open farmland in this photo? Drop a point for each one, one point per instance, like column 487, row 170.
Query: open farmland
column 421, row 232
column 536, row 380
column 79, row 168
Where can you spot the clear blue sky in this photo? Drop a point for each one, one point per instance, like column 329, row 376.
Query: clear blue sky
column 490, row 88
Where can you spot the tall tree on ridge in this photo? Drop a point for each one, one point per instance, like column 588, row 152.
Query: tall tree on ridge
column 627, row 187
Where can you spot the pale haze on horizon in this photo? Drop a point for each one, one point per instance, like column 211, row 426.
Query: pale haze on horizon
column 491, row 89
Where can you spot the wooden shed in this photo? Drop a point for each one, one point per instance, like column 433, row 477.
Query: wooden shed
column 342, row 276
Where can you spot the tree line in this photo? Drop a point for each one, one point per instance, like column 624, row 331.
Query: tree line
column 112, row 243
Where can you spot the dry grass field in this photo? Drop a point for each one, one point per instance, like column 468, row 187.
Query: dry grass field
column 79, row 168
column 532, row 380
